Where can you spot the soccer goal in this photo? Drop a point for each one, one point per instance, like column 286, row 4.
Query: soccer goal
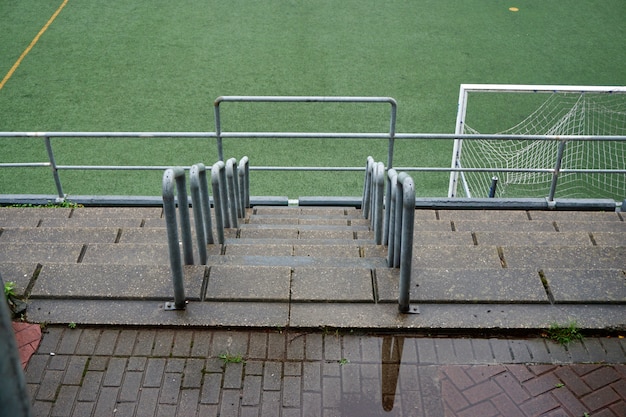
column 537, row 111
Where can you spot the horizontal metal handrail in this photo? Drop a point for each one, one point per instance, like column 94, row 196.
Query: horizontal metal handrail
column 391, row 135
column 315, row 135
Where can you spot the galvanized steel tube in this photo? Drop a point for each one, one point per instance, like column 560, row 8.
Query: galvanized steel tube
column 176, row 266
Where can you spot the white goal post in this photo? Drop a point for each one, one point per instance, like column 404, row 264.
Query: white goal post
column 554, row 110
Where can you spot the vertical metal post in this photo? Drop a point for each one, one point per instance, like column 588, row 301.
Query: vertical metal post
column 14, row 396
column 392, row 219
column 406, row 258
column 379, row 182
column 458, row 143
column 365, row 203
column 371, row 207
column 169, row 208
column 196, row 204
column 244, row 183
column 493, row 187
column 388, row 202
column 183, row 214
column 217, row 201
column 206, row 205
column 232, row 193
column 557, row 169
column 218, row 129
column 235, row 183
column 55, row 171
column 224, row 193
column 399, row 207
column 392, row 132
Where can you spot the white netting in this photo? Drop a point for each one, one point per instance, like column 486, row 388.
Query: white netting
column 588, row 113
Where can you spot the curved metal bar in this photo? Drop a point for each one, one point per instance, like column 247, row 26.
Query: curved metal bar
column 206, row 204
column 223, row 193
column 406, row 256
column 367, row 187
column 183, row 214
column 304, row 99
column 379, row 191
column 244, row 183
column 231, row 186
column 218, row 205
column 196, row 204
column 388, row 201
column 391, row 213
column 310, row 99
column 398, row 209
column 169, row 208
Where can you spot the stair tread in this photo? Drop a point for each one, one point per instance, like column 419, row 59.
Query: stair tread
column 148, row 281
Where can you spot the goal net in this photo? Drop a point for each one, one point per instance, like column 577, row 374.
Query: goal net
column 544, row 110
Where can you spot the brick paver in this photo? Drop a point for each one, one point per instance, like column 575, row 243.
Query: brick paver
column 28, row 337
column 154, row 372
column 530, row 390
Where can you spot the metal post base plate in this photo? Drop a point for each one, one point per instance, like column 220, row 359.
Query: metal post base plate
column 171, row 305
column 411, row 310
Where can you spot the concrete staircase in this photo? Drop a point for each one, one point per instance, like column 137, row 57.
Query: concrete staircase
column 319, row 266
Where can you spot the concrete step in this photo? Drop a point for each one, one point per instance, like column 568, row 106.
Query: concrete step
column 307, row 220
column 83, row 222
column 310, row 212
column 465, row 285
column 60, row 234
column 40, row 252
column 30, row 217
column 115, row 281
column 506, row 285
column 318, row 225
column 285, row 283
column 577, row 216
column 117, row 212
column 503, row 238
column 284, row 247
column 299, row 233
column 134, row 253
column 520, row 257
column 297, row 261
column 21, row 274
column 565, row 257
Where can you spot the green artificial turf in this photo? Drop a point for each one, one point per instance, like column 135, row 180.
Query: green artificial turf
column 158, row 65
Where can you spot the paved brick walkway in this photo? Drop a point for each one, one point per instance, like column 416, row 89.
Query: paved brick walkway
column 193, row 372
column 534, row 390
column 28, row 337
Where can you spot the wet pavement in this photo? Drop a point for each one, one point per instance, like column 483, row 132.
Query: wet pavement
column 204, row 372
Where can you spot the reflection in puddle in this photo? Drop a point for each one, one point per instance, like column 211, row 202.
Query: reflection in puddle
column 372, row 389
column 391, row 354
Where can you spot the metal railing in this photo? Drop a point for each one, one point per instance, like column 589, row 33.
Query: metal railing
column 174, row 180
column 391, row 136
column 304, row 135
column 373, row 196
column 399, row 227
column 228, row 200
column 55, row 168
column 394, row 226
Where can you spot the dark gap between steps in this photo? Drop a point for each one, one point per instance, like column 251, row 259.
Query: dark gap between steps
column 546, row 286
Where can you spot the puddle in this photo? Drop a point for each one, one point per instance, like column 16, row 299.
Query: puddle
column 373, row 389
column 346, row 375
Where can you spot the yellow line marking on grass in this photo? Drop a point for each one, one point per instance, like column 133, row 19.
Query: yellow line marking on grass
column 31, row 45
